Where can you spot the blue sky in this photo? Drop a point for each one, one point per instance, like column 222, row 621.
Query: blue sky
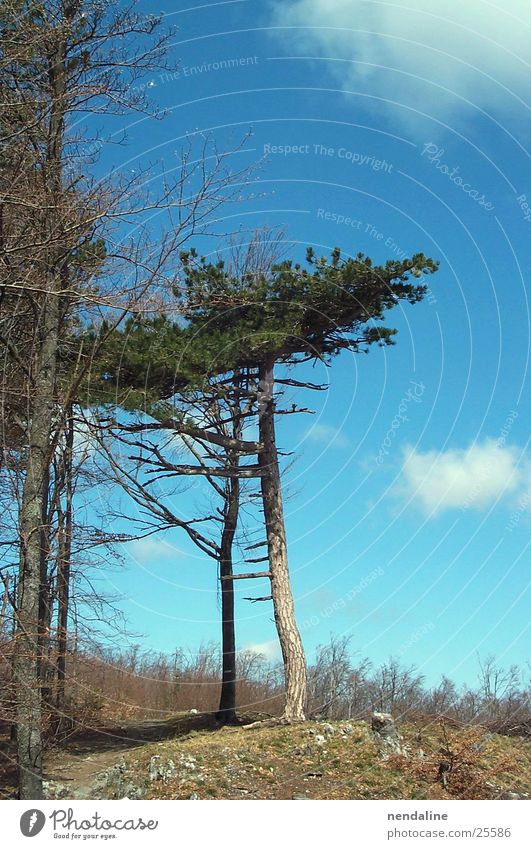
column 388, row 129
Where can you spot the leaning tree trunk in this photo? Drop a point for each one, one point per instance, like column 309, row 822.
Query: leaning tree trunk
column 227, row 704
column 288, row 632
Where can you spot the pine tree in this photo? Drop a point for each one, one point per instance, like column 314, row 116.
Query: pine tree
column 253, row 322
column 288, row 316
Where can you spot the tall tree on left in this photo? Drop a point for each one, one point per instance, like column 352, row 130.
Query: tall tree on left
column 67, row 256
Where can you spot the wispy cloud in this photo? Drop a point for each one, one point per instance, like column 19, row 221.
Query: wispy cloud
column 85, row 443
column 327, row 435
column 475, row 50
column 150, row 550
column 269, row 650
column 474, row 477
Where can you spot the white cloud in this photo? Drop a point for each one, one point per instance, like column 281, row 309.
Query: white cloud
column 475, row 48
column 85, row 444
column 269, row 650
column 474, row 477
column 328, row 435
column 149, row 550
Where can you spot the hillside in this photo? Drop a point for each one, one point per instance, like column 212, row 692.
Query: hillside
column 187, row 758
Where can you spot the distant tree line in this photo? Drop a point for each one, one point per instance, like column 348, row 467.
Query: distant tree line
column 341, row 686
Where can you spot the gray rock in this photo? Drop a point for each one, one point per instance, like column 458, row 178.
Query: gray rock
column 509, row 794
column 154, row 768
column 55, row 790
column 328, row 729
column 160, row 771
column 505, row 794
column 131, row 791
column 387, row 737
column 304, row 751
column 114, row 784
column 109, row 782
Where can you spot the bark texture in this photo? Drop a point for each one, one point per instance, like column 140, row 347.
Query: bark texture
column 284, row 610
column 65, row 523
column 227, row 704
column 41, row 409
column 34, row 495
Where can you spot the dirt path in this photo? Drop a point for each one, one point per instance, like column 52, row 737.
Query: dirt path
column 75, row 770
column 80, row 773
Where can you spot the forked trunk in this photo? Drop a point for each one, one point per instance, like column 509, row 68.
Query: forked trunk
column 288, row 632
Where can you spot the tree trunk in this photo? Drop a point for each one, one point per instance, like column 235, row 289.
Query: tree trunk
column 26, row 660
column 5, row 600
column 41, row 408
column 45, row 602
column 227, row 704
column 289, row 636
column 63, row 570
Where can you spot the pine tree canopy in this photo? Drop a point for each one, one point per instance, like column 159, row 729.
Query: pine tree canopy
column 291, row 314
column 296, row 312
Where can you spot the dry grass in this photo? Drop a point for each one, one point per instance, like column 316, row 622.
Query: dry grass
column 284, row 762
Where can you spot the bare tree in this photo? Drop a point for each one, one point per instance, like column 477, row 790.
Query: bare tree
column 396, row 688
column 209, row 425
column 335, row 682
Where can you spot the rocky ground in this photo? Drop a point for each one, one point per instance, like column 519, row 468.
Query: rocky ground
column 187, row 757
